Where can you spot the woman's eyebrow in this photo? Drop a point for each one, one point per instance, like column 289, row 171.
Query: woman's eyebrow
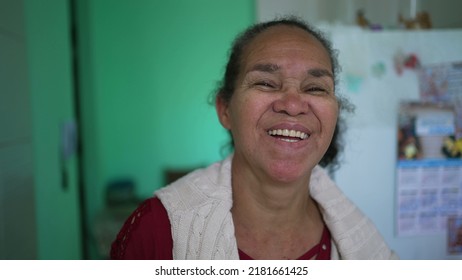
column 318, row 73
column 271, row 68
column 266, row 67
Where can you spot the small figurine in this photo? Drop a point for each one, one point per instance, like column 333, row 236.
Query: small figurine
column 452, row 148
column 361, row 20
column 421, row 21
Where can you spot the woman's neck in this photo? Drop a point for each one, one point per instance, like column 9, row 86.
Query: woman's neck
column 261, row 194
column 267, row 212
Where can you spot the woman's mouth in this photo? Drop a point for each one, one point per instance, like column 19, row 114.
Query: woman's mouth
column 288, row 135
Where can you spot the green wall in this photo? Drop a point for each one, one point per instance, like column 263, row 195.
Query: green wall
column 50, row 80
column 148, row 68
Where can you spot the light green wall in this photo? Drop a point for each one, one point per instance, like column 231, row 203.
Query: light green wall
column 148, row 68
column 48, row 50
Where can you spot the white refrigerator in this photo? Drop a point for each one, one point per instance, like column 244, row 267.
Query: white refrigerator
column 379, row 70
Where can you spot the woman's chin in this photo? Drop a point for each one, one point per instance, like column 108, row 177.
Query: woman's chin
column 286, row 173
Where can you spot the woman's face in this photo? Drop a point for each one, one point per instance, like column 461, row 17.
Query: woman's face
column 283, row 112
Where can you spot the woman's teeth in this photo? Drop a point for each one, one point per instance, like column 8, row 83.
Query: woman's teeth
column 288, row 133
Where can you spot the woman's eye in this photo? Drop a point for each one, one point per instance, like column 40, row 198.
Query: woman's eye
column 265, row 84
column 316, row 89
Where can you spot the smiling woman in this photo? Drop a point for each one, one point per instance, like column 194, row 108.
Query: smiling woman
column 270, row 199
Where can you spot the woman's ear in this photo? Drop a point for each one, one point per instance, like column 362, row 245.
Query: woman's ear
column 222, row 111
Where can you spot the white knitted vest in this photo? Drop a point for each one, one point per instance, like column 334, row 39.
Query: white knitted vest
column 199, row 204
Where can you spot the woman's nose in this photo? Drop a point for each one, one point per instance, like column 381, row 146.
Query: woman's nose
column 291, row 103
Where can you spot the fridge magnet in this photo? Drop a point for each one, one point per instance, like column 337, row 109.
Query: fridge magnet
column 452, row 147
column 378, row 69
column 443, row 83
column 404, row 61
column 354, row 83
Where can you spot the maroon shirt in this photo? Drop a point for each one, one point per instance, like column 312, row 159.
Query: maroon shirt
column 146, row 235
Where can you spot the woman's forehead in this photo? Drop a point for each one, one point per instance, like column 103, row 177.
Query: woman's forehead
column 281, row 42
column 284, row 34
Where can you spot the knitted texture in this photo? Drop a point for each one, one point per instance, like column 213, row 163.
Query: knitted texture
column 199, row 209
column 355, row 235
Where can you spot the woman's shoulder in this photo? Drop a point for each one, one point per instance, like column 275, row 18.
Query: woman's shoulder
column 146, row 234
column 200, row 187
